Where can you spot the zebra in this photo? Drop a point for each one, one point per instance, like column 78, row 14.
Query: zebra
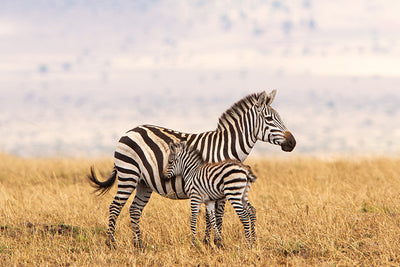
column 141, row 155
column 208, row 182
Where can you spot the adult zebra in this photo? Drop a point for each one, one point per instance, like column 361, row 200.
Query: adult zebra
column 142, row 153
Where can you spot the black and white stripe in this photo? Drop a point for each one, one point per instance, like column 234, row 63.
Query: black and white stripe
column 142, row 154
column 208, row 182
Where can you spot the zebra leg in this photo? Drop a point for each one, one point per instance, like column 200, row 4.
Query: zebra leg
column 211, row 214
column 219, row 207
column 250, row 210
column 195, row 207
column 125, row 188
column 115, row 209
column 219, row 212
column 252, row 214
column 206, row 239
column 243, row 216
column 142, row 197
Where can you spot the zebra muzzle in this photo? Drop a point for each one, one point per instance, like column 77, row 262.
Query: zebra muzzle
column 289, row 143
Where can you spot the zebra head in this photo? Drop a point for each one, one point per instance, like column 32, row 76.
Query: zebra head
column 270, row 125
column 175, row 163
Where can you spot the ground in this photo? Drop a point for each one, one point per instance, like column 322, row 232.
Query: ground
column 310, row 211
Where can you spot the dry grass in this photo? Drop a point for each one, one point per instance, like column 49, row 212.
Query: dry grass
column 343, row 211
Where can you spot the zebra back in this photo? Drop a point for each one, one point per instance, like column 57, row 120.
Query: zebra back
column 142, row 153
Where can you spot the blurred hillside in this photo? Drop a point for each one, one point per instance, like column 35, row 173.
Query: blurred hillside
column 74, row 76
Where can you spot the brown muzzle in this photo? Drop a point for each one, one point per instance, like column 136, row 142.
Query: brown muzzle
column 289, row 143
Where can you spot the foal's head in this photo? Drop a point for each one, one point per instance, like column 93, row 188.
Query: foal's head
column 180, row 157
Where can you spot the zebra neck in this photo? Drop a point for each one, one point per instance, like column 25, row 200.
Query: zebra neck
column 191, row 165
column 234, row 138
column 192, row 162
column 237, row 136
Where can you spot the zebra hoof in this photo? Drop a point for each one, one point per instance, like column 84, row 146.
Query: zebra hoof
column 110, row 242
column 195, row 243
column 138, row 244
column 218, row 243
column 206, row 242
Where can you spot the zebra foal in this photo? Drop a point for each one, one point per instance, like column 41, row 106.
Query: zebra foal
column 207, row 183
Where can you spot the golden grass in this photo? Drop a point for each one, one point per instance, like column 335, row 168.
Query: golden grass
column 342, row 211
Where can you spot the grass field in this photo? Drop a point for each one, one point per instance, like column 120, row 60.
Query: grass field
column 342, row 211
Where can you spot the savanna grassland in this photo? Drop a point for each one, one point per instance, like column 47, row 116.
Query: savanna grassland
column 310, row 211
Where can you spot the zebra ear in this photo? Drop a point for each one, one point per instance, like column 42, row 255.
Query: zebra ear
column 271, row 97
column 172, row 147
column 265, row 99
column 262, row 99
column 183, row 144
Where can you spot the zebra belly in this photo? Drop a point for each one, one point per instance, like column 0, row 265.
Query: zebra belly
column 206, row 196
column 172, row 188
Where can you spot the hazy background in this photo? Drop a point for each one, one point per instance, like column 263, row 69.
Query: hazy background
column 75, row 75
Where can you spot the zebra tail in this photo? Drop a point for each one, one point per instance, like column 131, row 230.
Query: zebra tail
column 102, row 187
column 251, row 176
column 249, row 173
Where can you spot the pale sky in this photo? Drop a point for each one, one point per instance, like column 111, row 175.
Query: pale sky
column 296, row 37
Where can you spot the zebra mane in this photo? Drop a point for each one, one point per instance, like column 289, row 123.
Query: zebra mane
column 238, row 109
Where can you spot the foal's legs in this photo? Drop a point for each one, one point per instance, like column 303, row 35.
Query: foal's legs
column 210, row 208
column 243, row 216
column 250, row 210
column 219, row 212
column 206, row 239
column 252, row 214
column 195, row 207
column 218, row 207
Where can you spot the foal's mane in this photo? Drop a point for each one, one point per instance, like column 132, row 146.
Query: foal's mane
column 192, row 150
column 239, row 108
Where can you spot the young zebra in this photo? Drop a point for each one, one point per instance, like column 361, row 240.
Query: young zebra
column 207, row 183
